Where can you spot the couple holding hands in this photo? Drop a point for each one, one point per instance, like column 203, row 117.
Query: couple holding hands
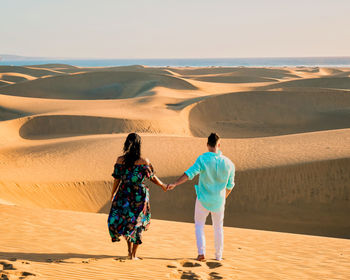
column 130, row 211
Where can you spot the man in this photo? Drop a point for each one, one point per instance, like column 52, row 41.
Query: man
column 216, row 181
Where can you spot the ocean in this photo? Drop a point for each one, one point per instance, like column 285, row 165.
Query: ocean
column 195, row 62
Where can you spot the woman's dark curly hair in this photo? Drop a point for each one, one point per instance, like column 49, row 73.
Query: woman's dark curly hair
column 132, row 149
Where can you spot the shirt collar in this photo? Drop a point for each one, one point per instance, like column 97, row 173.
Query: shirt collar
column 218, row 153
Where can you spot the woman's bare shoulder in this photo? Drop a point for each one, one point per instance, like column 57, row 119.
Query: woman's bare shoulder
column 120, row 159
column 144, row 161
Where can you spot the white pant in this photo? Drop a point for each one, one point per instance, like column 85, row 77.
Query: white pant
column 200, row 217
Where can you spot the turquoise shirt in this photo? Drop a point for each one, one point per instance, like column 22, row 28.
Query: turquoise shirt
column 216, row 174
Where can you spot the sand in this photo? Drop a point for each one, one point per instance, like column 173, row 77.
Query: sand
column 286, row 129
column 57, row 244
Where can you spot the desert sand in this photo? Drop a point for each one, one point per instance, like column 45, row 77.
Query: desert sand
column 286, row 129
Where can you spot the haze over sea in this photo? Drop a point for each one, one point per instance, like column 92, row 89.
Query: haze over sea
column 195, row 62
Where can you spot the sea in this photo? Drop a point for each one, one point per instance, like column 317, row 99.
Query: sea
column 194, row 62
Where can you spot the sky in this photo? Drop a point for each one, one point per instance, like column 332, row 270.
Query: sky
column 175, row 28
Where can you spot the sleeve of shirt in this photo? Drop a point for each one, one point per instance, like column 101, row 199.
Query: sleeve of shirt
column 194, row 170
column 231, row 179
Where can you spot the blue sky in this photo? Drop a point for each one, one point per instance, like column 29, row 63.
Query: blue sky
column 175, row 29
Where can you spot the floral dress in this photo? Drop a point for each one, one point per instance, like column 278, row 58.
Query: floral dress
column 130, row 213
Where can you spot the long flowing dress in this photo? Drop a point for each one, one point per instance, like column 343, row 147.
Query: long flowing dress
column 130, row 212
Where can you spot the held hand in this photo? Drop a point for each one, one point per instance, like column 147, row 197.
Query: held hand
column 171, row 186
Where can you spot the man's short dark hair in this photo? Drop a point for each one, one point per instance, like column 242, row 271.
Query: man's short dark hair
column 213, row 139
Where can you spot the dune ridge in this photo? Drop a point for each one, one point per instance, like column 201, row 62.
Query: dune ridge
column 95, row 85
column 324, row 82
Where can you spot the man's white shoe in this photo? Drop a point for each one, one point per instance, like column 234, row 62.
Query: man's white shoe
column 218, row 258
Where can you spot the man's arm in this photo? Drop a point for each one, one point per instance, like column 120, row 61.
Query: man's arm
column 182, row 179
column 230, row 183
column 189, row 174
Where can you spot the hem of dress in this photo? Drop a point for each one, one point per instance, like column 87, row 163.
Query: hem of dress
column 117, row 239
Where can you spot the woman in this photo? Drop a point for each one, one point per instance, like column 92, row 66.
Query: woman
column 130, row 212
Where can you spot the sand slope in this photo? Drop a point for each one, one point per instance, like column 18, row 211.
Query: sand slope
column 268, row 113
column 78, row 247
column 286, row 129
column 324, row 82
column 276, row 186
column 95, row 85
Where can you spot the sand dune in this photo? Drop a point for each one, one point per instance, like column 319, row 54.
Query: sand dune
column 232, row 79
column 27, row 71
column 96, row 85
column 78, row 247
column 287, row 130
column 3, row 83
column 8, row 114
column 267, row 113
column 245, row 75
column 54, row 66
column 15, row 77
column 327, row 82
column 273, row 73
column 331, row 71
column 301, row 186
column 53, row 126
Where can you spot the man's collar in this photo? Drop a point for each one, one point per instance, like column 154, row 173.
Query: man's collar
column 218, row 153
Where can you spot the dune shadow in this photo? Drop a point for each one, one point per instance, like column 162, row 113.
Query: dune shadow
column 58, row 126
column 292, row 199
column 9, row 114
column 271, row 113
column 64, row 257
column 51, row 257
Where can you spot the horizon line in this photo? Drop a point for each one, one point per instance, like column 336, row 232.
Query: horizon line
column 160, row 58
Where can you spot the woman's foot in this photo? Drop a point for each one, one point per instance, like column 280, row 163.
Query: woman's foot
column 133, row 252
column 201, row 258
column 135, row 259
column 129, row 248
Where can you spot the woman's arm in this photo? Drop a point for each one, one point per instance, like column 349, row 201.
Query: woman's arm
column 228, row 192
column 154, row 179
column 115, row 186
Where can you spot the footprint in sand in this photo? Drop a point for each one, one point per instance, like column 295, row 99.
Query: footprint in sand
column 89, row 260
column 7, row 271
column 121, row 259
column 212, row 265
column 190, row 275
column 4, row 277
column 179, row 273
column 26, row 273
column 186, row 263
column 171, row 266
column 215, row 275
column 6, row 266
